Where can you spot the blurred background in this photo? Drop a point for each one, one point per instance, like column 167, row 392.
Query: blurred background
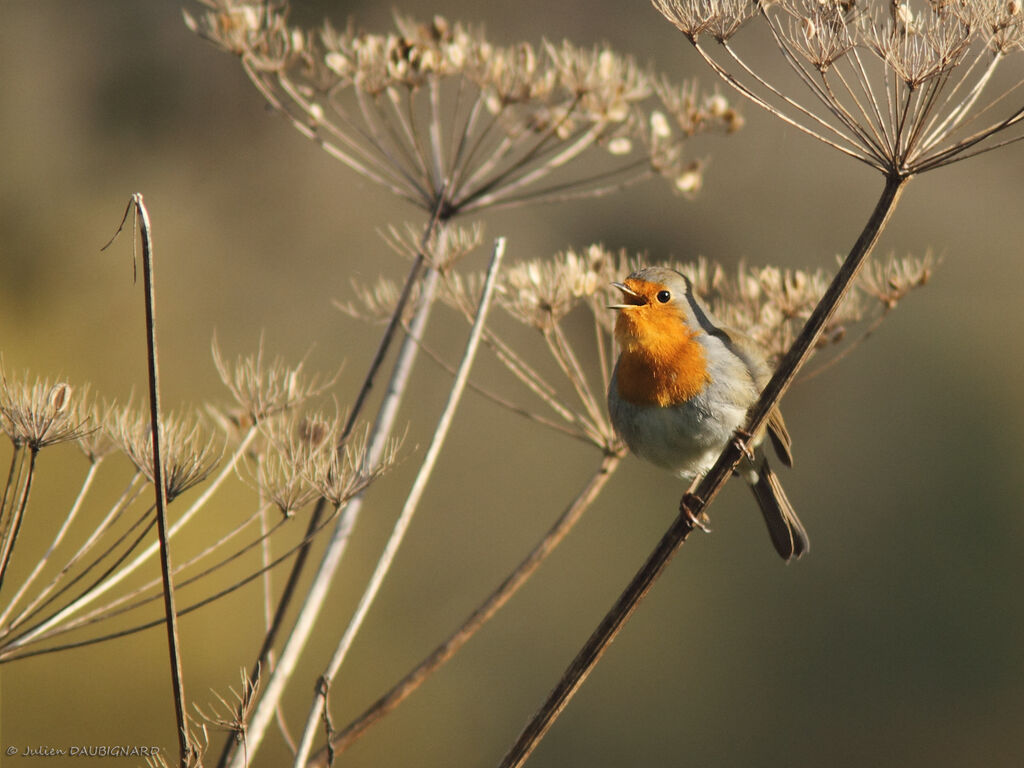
column 895, row 642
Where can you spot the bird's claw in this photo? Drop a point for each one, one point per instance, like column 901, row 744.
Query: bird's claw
column 741, row 439
column 700, row 520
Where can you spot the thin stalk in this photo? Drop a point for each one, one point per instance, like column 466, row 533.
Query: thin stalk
column 436, row 121
column 508, row 404
column 590, row 187
column 480, row 616
column 952, row 120
column 749, row 93
column 379, row 127
column 316, row 595
column 145, row 524
column 171, row 616
column 458, row 145
column 332, row 149
column 6, row 656
column 408, row 510
column 566, row 358
column 389, row 334
column 68, row 518
column 408, row 141
column 521, row 174
column 538, row 154
column 959, row 151
column 865, row 83
column 705, row 491
column 147, row 553
column 132, row 491
column 287, row 594
column 13, row 472
column 10, row 534
column 125, row 603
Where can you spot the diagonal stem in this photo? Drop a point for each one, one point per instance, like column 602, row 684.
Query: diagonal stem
column 320, row 508
column 409, row 508
column 316, row 594
column 709, row 486
column 480, row 616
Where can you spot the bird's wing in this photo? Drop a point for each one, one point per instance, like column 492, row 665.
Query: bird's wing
column 755, row 358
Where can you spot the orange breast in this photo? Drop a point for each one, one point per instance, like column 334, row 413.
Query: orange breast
column 661, row 368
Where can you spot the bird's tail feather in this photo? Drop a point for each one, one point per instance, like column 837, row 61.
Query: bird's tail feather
column 784, row 527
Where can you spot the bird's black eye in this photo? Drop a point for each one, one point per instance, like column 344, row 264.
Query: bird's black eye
column 664, row 296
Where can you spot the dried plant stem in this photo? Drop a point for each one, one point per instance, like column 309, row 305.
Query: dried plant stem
column 166, row 570
column 316, row 594
column 13, row 524
column 394, row 323
column 409, row 508
column 263, row 659
column 480, row 616
column 287, row 594
column 709, row 486
column 132, row 491
column 508, row 404
column 122, row 573
column 72, row 514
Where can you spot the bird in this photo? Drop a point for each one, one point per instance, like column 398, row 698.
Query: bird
column 682, row 386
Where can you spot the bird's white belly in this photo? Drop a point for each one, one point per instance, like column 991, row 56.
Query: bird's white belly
column 685, row 438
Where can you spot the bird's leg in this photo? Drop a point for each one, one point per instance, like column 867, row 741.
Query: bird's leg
column 691, row 501
column 741, row 439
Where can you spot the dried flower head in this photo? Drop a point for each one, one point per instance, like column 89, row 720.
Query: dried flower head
column 902, row 86
column 451, row 122
column 187, row 456
column 263, row 389
column 443, row 249
column 889, row 281
column 232, row 713
column 767, row 303
column 296, row 448
column 40, row 413
column 342, row 473
column 96, row 443
column 543, row 291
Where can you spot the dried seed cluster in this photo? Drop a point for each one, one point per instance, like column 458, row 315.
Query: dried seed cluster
column 454, row 123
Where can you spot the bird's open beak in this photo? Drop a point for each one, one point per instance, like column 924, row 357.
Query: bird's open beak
column 630, row 297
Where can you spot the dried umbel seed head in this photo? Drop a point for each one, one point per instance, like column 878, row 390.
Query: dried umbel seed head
column 187, row 456
column 262, row 389
column 40, row 414
column 904, row 86
column 450, row 121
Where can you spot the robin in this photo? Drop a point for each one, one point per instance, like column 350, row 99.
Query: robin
column 682, row 387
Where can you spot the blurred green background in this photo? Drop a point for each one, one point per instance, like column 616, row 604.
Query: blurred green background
column 896, row 642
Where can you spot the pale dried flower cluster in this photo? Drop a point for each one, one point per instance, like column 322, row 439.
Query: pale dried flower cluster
column 297, row 456
column 767, row 303
column 454, row 123
column 188, row 456
column 902, row 86
column 771, row 305
column 40, row 413
column 304, row 458
column 263, row 389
